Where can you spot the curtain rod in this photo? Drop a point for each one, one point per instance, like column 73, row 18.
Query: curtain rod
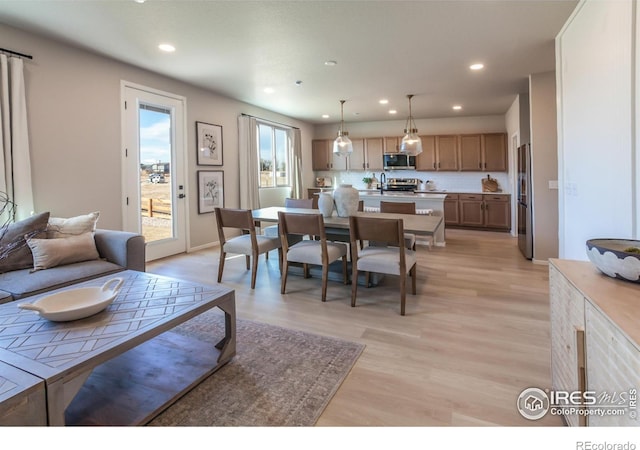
column 21, row 55
column 270, row 121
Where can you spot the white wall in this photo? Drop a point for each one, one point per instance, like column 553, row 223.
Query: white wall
column 512, row 123
column 597, row 155
column 73, row 99
column 544, row 162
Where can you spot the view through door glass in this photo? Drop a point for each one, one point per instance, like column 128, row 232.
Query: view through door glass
column 156, row 209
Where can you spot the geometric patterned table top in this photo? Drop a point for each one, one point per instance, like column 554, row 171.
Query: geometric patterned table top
column 144, row 304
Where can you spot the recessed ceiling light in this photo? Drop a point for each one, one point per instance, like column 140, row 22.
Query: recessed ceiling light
column 457, row 107
column 476, row 66
column 331, row 62
column 269, row 90
column 393, row 111
column 167, row 48
column 325, row 116
column 139, row 1
column 384, row 101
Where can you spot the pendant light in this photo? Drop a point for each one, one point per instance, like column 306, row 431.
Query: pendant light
column 342, row 145
column 411, row 143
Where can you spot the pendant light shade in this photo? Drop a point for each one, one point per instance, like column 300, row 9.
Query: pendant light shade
column 342, row 145
column 411, row 143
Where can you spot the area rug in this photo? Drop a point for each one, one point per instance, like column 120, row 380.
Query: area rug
column 279, row 377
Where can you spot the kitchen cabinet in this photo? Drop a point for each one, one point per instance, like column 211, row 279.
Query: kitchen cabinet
column 494, row 152
column 483, row 152
column 323, row 158
column 487, row 211
column 471, row 152
column 594, row 340
column 497, row 211
column 447, row 153
column 451, row 210
column 426, row 161
column 392, row 144
column 367, row 154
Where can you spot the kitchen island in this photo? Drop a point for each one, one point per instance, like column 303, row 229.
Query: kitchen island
column 423, row 201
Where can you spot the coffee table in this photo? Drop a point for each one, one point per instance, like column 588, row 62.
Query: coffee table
column 121, row 366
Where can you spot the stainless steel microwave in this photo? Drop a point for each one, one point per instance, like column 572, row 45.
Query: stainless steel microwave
column 398, row 161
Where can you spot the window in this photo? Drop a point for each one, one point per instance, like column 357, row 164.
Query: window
column 274, row 150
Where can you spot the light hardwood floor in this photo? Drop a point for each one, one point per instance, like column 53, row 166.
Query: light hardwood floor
column 475, row 335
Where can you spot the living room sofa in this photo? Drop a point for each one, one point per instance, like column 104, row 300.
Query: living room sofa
column 118, row 250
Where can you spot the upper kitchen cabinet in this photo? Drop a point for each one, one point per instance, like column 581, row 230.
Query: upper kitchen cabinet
column 392, row 144
column 447, row 153
column 483, row 152
column 367, row 154
column 322, row 157
column 494, row 152
column 471, row 152
column 427, row 159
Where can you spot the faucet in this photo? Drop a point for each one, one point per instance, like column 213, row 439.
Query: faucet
column 383, row 181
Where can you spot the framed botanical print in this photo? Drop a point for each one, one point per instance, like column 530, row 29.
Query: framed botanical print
column 210, row 190
column 209, row 144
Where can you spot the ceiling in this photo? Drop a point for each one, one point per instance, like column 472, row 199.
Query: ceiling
column 383, row 49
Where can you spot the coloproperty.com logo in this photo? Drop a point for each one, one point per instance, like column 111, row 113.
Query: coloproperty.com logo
column 534, row 403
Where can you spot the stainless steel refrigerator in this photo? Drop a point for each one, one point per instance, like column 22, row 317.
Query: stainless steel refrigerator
column 525, row 231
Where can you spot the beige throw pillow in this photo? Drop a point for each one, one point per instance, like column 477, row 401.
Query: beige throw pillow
column 60, row 228
column 49, row 253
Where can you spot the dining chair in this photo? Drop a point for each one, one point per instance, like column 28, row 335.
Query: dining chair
column 306, row 203
column 249, row 244
column 401, row 208
column 392, row 259
column 318, row 251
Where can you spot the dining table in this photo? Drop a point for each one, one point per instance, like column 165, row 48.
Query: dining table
column 419, row 224
column 337, row 229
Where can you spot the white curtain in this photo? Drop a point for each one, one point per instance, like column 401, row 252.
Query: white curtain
column 296, row 164
column 248, row 152
column 15, row 163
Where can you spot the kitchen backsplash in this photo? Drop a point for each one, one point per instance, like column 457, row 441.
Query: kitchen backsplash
column 447, row 181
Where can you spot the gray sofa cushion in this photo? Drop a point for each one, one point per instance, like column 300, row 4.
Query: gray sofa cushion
column 19, row 255
column 23, row 283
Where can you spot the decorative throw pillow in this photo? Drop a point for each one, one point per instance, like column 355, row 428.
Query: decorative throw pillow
column 14, row 251
column 60, row 228
column 49, row 253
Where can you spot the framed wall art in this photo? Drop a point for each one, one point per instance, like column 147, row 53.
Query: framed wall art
column 209, row 144
column 210, row 190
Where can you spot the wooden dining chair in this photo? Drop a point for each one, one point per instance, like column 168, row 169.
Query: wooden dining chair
column 306, row 203
column 249, row 244
column 401, row 208
column 392, row 259
column 309, row 251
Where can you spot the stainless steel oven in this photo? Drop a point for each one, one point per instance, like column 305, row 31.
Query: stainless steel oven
column 399, row 161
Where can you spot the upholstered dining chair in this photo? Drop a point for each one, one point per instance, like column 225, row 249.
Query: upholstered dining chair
column 306, row 203
column 309, row 251
column 249, row 244
column 392, row 259
column 401, row 208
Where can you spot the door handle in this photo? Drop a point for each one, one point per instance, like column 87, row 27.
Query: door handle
column 181, row 196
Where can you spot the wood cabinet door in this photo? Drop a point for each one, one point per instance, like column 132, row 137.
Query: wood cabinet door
column 391, row 144
column 494, row 152
column 427, row 159
column 357, row 158
column 470, row 152
column 471, row 210
column 447, row 152
column 374, row 149
column 451, row 211
column 497, row 211
column 320, row 151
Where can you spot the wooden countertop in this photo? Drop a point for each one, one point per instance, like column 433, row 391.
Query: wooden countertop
column 617, row 299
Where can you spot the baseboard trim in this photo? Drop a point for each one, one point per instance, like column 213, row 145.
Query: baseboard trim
column 202, row 247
